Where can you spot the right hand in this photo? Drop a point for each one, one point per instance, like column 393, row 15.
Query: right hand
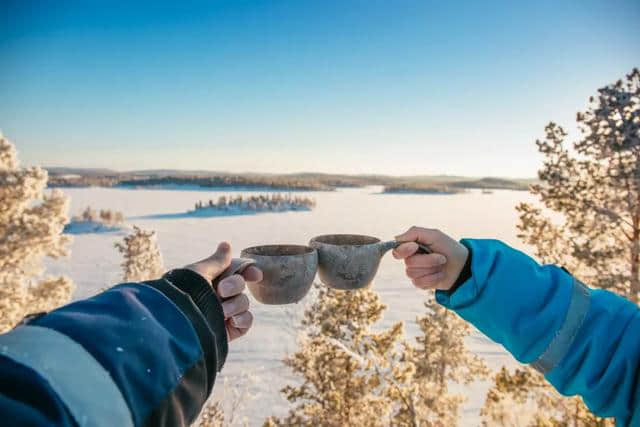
column 438, row 270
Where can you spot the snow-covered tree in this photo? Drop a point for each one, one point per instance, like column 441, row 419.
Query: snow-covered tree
column 347, row 370
column 212, row 415
column 226, row 410
column 522, row 397
column 107, row 217
column 352, row 375
column 31, row 224
column 594, row 191
column 142, row 258
column 441, row 357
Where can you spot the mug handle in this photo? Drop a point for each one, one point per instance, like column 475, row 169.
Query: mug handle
column 422, row 248
column 237, row 266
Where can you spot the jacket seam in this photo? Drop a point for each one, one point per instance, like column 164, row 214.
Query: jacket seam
column 202, row 337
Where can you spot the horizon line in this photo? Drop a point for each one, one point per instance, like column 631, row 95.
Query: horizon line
column 287, row 173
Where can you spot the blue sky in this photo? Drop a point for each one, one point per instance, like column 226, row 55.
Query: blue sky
column 397, row 87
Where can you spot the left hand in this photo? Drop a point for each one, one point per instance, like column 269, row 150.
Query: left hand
column 238, row 318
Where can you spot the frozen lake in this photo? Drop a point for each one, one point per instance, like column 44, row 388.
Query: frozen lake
column 95, row 263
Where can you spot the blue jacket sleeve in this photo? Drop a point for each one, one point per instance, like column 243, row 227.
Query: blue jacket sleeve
column 137, row 354
column 585, row 341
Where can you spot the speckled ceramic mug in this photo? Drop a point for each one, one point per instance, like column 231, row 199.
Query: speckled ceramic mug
column 288, row 272
column 351, row 261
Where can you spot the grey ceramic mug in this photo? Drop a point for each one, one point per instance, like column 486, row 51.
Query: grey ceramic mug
column 351, row 261
column 288, row 272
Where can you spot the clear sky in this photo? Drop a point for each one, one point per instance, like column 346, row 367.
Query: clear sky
column 397, row 87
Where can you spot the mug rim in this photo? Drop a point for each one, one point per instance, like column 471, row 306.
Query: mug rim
column 368, row 240
column 276, row 250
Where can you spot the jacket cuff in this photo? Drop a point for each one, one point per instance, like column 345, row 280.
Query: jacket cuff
column 506, row 291
column 465, row 274
column 465, row 290
column 201, row 292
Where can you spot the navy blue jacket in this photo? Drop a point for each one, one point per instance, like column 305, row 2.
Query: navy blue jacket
column 138, row 354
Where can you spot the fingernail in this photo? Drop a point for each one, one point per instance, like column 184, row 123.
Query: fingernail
column 229, row 307
column 226, row 288
column 442, row 259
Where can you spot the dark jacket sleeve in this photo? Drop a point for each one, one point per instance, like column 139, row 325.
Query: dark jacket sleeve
column 137, row 354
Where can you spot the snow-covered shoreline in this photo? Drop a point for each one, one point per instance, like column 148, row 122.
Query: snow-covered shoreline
column 95, row 221
column 241, row 210
column 217, row 188
column 86, row 227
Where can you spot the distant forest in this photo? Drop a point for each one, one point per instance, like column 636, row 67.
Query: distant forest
column 70, row 177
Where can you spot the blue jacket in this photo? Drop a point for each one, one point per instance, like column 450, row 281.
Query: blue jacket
column 142, row 354
column 585, row 341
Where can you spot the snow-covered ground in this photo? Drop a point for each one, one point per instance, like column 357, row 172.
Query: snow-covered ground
column 95, row 263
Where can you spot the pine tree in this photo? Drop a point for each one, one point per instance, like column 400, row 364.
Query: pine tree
column 31, row 224
column 348, row 371
column 594, row 190
column 354, row 376
column 212, row 415
column 441, row 357
column 523, row 397
column 142, row 258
